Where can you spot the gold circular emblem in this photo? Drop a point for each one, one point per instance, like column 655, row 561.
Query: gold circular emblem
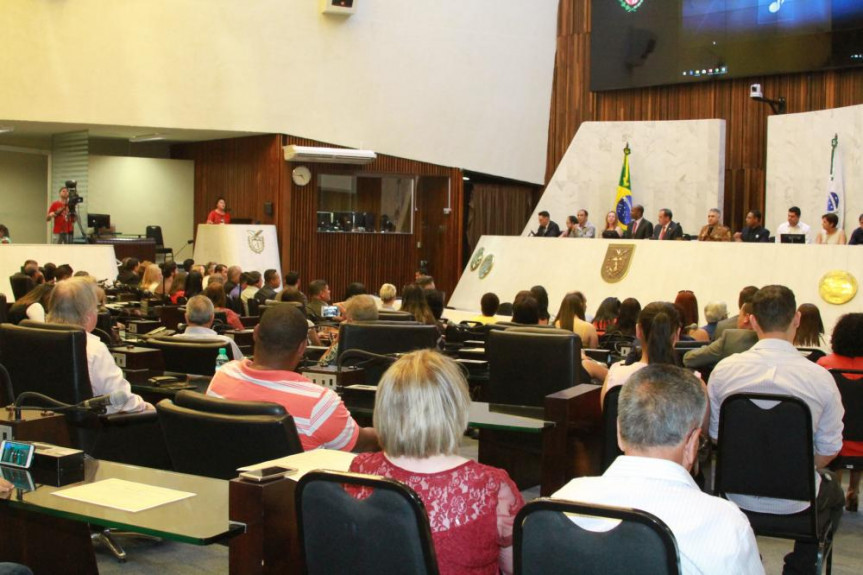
column 486, row 266
column 837, row 287
column 477, row 259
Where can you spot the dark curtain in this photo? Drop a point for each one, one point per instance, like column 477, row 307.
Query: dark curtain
column 498, row 210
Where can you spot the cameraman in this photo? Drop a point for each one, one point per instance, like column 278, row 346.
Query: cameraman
column 63, row 218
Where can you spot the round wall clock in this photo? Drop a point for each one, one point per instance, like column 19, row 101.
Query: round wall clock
column 301, row 175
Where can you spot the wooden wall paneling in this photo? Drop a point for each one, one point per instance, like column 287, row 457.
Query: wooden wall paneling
column 572, row 103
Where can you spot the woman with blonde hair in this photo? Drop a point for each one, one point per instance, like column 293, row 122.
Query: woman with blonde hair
column 152, row 278
column 421, row 412
column 612, row 225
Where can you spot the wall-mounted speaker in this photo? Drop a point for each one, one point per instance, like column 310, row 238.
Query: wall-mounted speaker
column 268, row 208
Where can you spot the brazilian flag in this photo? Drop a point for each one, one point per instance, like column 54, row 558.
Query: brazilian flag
column 623, row 204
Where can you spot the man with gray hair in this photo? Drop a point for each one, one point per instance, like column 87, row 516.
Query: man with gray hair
column 359, row 308
column 660, row 413
column 200, row 314
column 714, row 231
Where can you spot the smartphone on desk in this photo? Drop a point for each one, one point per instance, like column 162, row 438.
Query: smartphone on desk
column 267, row 473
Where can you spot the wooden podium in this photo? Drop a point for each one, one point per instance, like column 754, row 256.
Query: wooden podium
column 250, row 247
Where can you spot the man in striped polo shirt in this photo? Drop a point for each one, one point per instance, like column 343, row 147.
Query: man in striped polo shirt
column 321, row 418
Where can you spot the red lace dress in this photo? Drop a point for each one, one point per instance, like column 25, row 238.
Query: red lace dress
column 471, row 510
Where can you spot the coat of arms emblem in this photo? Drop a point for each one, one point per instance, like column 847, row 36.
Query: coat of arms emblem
column 616, row 263
column 256, row 241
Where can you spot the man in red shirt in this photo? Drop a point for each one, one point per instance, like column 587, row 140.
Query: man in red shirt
column 63, row 220
column 321, row 418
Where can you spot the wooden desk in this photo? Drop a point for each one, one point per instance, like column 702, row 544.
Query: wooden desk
column 35, row 426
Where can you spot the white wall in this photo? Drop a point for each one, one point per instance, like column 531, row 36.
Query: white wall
column 465, row 84
column 138, row 192
column 679, row 165
column 23, row 190
column 798, row 164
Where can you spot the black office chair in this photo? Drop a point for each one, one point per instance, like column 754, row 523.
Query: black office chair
column 547, row 542
column 382, row 338
column 331, row 518
column 196, row 357
column 173, row 315
column 4, row 308
column 813, row 354
column 7, row 395
column 390, row 315
column 155, row 233
column 851, row 391
column 766, row 450
column 610, row 448
column 21, row 284
column 253, row 306
column 526, row 364
column 213, row 437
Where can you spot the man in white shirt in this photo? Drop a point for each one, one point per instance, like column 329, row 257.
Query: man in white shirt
column 199, row 319
column 773, row 365
column 660, row 410
column 793, row 225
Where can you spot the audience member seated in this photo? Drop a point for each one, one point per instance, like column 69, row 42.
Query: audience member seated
column 657, row 331
column 253, row 284
column 730, row 342
column 753, row 231
column 434, row 298
column 194, row 284
column 271, row 286
column 63, row 272
column 414, row 302
column 810, row 332
column 169, row 272
column 847, row 344
column 714, row 312
column 660, row 410
column 426, row 282
column 489, row 304
column 626, row 319
column 745, row 295
column 232, row 284
column 216, row 293
column 32, row 305
column 177, row 291
column 74, row 302
column 219, row 272
column 830, row 232
column 714, row 231
column 292, row 294
column 570, row 317
column 773, row 365
column 152, row 278
column 387, row 293
column 359, row 308
column 292, row 281
column 525, row 309
column 606, row 314
column 688, row 306
column 421, row 413
column 857, row 235
column 200, row 314
column 127, row 275
column 321, row 418
column 319, row 296
column 541, row 295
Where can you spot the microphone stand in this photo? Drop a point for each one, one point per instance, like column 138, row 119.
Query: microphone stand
column 54, row 405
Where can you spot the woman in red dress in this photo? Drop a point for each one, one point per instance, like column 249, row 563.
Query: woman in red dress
column 421, row 412
column 220, row 215
column 847, row 344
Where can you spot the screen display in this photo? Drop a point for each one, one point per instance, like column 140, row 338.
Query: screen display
column 16, row 453
column 637, row 43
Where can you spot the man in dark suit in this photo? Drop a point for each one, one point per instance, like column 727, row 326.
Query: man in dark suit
column 547, row 228
column 639, row 228
column 665, row 228
column 753, row 231
column 730, row 342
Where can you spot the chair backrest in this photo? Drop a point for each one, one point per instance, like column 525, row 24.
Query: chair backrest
column 173, row 315
column 391, row 315
column 201, row 402
column 20, row 284
column 189, row 356
column 547, row 541
column 155, row 233
column 813, row 354
column 765, row 448
column 254, row 307
column 461, row 332
column 385, row 337
column 851, row 390
column 610, row 448
column 7, row 396
column 527, row 364
column 214, row 442
column 47, row 358
column 329, row 517
column 4, row 308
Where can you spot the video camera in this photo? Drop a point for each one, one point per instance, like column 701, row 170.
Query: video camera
column 74, row 198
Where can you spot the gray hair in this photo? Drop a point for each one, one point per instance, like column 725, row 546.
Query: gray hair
column 658, row 406
column 199, row 310
column 715, row 311
column 71, row 301
column 387, row 293
column 716, row 211
column 361, row 308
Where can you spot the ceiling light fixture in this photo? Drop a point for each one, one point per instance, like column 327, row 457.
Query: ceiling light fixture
column 6, row 129
column 147, row 138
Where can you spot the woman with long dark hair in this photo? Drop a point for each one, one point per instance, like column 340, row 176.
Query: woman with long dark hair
column 414, row 302
column 811, row 327
column 569, row 318
column 657, row 330
column 32, row 305
column 606, row 314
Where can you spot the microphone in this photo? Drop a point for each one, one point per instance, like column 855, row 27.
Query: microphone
column 115, row 399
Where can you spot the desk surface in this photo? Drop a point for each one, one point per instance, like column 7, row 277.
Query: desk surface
column 199, row 520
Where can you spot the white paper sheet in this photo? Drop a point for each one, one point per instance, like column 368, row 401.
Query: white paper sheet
column 308, row 461
column 123, row 495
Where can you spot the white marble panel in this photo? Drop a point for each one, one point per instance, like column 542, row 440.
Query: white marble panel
column 97, row 260
column 798, row 164
column 678, row 165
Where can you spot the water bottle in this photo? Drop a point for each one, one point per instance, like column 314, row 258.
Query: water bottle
column 222, row 358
